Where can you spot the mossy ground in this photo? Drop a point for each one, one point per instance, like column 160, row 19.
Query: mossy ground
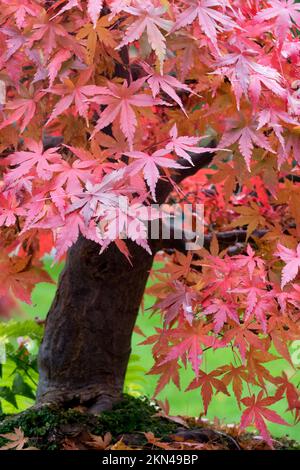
column 51, row 428
column 46, row 427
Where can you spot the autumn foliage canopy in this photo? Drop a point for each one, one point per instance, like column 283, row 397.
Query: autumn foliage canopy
column 187, row 69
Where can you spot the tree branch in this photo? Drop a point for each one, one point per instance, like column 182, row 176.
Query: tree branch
column 165, row 187
column 231, row 238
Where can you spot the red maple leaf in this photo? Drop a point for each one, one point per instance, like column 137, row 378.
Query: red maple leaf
column 206, row 383
column 180, row 266
column 181, row 299
column 167, row 374
column 120, row 101
column 18, row 275
column 242, row 337
column 257, row 372
column 235, row 376
column 288, row 389
column 221, row 311
column 190, row 340
column 257, row 411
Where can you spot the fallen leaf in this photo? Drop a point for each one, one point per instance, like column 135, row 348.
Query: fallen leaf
column 98, row 442
column 120, row 445
column 17, row 440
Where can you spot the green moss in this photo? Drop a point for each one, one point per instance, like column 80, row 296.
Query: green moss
column 45, row 426
column 285, row 443
column 133, row 415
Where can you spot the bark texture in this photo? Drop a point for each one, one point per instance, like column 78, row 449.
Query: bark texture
column 87, row 341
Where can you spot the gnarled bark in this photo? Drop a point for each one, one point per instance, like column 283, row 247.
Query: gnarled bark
column 87, row 342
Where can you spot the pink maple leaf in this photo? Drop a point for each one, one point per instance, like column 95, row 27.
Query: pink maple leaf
column 246, row 137
column 9, row 208
column 185, row 144
column 23, row 110
column 20, row 10
column 59, row 197
column 68, row 233
column 166, row 83
column 285, row 13
column 45, row 162
column 78, row 93
column 246, row 75
column 94, row 9
column 68, row 6
column 127, row 219
column 251, row 262
column 263, row 306
column 120, row 100
column 14, row 42
column 50, row 34
column 73, row 175
column 210, row 19
column 149, row 165
column 292, row 260
column 56, row 62
column 103, row 193
column 149, row 18
column 118, row 5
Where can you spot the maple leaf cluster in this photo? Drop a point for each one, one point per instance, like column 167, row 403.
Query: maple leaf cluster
column 124, row 88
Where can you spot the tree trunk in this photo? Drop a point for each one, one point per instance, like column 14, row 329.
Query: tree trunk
column 87, row 342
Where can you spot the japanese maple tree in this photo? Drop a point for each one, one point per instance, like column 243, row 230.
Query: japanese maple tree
column 109, row 106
